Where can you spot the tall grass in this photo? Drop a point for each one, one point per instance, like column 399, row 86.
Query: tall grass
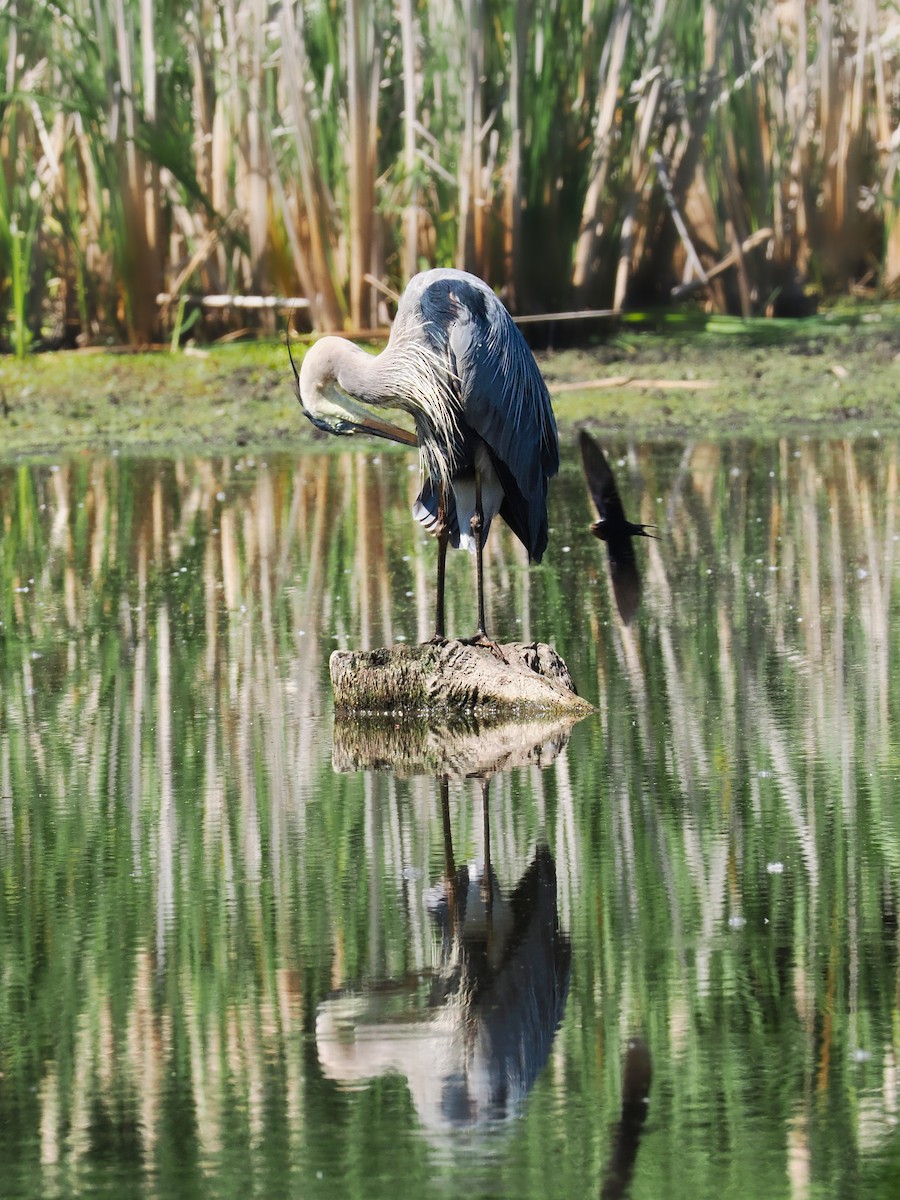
column 589, row 152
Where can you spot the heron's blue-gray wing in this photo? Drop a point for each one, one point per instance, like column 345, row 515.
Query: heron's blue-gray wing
column 504, row 399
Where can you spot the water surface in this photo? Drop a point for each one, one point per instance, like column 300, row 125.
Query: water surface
column 229, row 967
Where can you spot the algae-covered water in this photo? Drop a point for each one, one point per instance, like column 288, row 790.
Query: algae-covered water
column 657, row 957
column 697, row 376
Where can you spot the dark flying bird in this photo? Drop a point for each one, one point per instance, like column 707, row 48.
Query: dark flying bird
column 614, row 528
column 457, row 364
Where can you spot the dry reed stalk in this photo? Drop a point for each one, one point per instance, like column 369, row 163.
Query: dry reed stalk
column 12, row 47
column 514, row 196
column 256, row 200
column 317, row 200
column 797, row 119
column 202, row 252
column 736, row 243
column 646, row 114
column 203, row 93
column 686, row 154
column 843, row 231
column 363, row 79
column 886, row 143
column 151, row 190
column 302, row 264
column 408, row 29
column 694, row 265
column 610, row 75
column 469, row 245
column 140, row 269
column 629, row 233
column 735, row 255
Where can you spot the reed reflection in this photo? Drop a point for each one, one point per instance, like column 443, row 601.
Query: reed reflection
column 185, row 877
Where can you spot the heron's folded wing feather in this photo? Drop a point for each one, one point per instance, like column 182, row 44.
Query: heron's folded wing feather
column 506, row 403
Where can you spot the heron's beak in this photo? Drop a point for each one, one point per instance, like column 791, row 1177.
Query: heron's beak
column 382, row 429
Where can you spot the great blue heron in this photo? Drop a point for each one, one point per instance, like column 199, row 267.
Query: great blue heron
column 614, row 528
column 457, row 364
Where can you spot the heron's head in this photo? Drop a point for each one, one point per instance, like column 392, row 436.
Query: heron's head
column 333, row 372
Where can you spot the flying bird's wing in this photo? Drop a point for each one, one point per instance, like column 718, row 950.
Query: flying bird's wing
column 601, row 481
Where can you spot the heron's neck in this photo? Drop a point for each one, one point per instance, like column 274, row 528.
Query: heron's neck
column 362, row 376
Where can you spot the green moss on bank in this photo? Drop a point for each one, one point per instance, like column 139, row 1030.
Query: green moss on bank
column 818, row 376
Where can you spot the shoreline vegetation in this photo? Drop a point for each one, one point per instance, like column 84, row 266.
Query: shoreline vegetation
column 833, row 376
column 579, row 154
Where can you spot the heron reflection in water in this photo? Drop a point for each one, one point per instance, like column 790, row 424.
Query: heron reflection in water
column 613, row 527
column 472, row 1051
column 506, row 962
column 456, row 363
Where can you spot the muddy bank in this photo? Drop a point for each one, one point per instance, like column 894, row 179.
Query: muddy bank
column 825, row 376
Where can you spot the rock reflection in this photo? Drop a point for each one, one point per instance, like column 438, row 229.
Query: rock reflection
column 469, row 745
column 472, row 1037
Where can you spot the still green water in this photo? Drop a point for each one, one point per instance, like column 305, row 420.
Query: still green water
column 229, row 967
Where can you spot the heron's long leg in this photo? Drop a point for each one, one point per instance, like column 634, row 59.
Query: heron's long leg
column 487, row 892
column 443, row 536
column 477, row 527
column 449, row 863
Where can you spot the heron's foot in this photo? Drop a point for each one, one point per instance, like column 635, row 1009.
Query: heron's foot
column 436, row 639
column 482, row 639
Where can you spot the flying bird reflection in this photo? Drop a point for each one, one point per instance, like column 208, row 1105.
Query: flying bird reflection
column 637, row 1073
column 459, row 367
column 614, row 528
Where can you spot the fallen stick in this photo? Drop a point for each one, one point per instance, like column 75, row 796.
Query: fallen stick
column 617, row 381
